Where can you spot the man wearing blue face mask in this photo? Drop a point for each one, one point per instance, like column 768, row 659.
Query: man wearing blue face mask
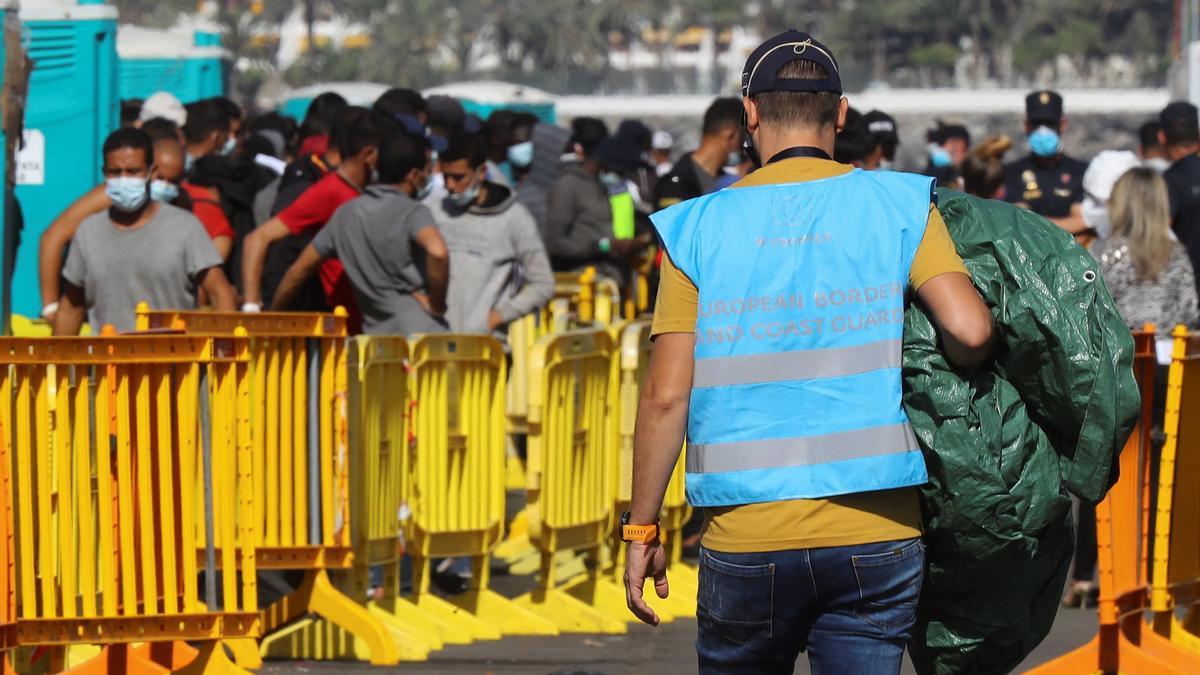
column 500, row 271
column 139, row 250
column 1047, row 181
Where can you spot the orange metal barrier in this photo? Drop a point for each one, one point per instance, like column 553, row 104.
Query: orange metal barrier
column 1125, row 642
column 301, row 469
column 1175, row 577
column 115, row 442
column 570, row 481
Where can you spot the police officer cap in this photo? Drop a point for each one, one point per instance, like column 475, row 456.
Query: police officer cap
column 881, row 125
column 1044, row 106
column 762, row 68
column 1179, row 115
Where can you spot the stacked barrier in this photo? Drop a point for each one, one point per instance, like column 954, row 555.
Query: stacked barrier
column 455, row 480
column 1125, row 643
column 629, row 368
column 131, row 457
column 301, row 478
column 570, row 499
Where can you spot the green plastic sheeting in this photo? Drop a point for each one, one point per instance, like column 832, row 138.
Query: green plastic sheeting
column 1005, row 445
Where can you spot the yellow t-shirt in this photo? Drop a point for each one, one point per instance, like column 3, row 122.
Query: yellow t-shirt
column 845, row 520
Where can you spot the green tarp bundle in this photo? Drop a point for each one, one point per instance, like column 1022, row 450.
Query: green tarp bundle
column 1005, row 445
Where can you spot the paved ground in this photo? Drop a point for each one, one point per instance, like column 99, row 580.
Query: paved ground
column 666, row 650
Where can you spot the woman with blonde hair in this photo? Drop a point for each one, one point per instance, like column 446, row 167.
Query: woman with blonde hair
column 1147, row 271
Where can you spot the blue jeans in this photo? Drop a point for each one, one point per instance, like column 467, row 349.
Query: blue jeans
column 851, row 607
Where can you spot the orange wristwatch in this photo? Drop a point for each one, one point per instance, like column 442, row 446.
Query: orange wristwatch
column 642, row 534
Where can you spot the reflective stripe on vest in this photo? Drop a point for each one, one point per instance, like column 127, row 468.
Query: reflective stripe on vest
column 796, row 387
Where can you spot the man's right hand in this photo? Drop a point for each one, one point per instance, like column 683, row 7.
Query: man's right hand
column 645, row 561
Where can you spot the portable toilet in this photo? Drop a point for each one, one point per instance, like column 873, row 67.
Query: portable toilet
column 355, row 93
column 482, row 98
column 9, row 218
column 190, row 65
column 72, row 106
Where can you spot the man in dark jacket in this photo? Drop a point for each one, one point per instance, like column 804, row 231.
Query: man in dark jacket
column 696, row 173
column 578, row 229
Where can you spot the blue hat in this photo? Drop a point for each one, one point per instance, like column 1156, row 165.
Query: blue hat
column 762, row 68
column 412, row 125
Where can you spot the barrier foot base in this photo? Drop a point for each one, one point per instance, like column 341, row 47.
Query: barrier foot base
column 160, row 658
column 479, row 630
column 1174, row 629
column 516, row 544
column 570, row 614
column 505, row 615
column 245, row 653
column 406, row 616
column 211, row 660
column 609, row 599
column 318, row 595
column 317, row 639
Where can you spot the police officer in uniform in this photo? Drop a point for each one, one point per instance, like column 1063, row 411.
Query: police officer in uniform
column 1047, row 181
column 777, row 349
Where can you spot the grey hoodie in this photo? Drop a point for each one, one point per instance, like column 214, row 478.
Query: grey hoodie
column 497, row 261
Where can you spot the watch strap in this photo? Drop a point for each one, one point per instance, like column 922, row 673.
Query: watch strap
column 642, row 534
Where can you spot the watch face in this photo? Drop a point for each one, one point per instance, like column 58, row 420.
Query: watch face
column 624, row 518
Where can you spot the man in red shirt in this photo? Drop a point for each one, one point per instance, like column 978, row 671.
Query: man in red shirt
column 312, row 210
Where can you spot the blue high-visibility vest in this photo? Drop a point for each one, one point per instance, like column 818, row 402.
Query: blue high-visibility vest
column 796, row 392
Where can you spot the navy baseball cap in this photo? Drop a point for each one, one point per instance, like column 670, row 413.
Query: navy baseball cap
column 413, row 127
column 762, row 68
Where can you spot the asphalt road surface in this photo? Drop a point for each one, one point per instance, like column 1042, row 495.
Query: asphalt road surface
column 666, row 650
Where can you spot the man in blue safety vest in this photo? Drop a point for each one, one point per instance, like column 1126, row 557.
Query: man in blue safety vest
column 777, row 346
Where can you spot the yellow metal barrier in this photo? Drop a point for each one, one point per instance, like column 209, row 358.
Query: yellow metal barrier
column 1175, row 580
column 570, row 498
column 608, row 302
column 115, row 442
column 455, row 480
column 630, row 365
column 301, row 475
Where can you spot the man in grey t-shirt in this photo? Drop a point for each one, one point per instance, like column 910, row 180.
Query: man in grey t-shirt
column 138, row 251
column 373, row 236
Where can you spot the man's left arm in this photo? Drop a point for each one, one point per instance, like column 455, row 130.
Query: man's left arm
column 658, row 439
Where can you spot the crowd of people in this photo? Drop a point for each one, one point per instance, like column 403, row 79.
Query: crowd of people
column 417, row 216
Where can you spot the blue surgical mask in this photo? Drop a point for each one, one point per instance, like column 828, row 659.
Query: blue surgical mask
column 424, row 191
column 163, row 191
column 228, row 148
column 734, row 158
column 939, row 157
column 188, row 163
column 610, row 179
column 127, row 193
column 1045, row 142
column 521, row 154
